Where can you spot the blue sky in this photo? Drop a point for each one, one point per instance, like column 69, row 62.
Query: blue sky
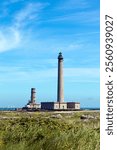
column 32, row 33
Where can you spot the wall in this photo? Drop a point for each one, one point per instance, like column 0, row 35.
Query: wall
column 47, row 105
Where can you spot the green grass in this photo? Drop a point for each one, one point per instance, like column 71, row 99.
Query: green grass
column 40, row 131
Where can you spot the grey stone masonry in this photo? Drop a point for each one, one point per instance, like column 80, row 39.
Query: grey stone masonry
column 60, row 89
column 33, row 92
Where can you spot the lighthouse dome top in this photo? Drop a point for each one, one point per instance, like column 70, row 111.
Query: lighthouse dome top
column 60, row 56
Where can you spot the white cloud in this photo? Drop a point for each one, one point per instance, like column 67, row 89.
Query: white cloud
column 30, row 12
column 11, row 36
column 9, row 39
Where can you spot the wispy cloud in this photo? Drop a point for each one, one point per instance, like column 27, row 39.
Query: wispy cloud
column 30, row 12
column 77, row 17
column 9, row 39
column 73, row 74
column 87, row 33
column 11, row 35
column 73, row 4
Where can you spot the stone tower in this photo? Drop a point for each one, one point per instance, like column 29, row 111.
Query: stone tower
column 60, row 89
column 33, row 92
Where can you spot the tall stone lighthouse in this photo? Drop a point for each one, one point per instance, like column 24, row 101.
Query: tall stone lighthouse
column 60, row 104
column 60, row 88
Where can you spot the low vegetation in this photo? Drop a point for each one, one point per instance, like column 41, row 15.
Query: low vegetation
column 49, row 131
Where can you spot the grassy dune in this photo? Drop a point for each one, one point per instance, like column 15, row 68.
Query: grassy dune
column 49, row 131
